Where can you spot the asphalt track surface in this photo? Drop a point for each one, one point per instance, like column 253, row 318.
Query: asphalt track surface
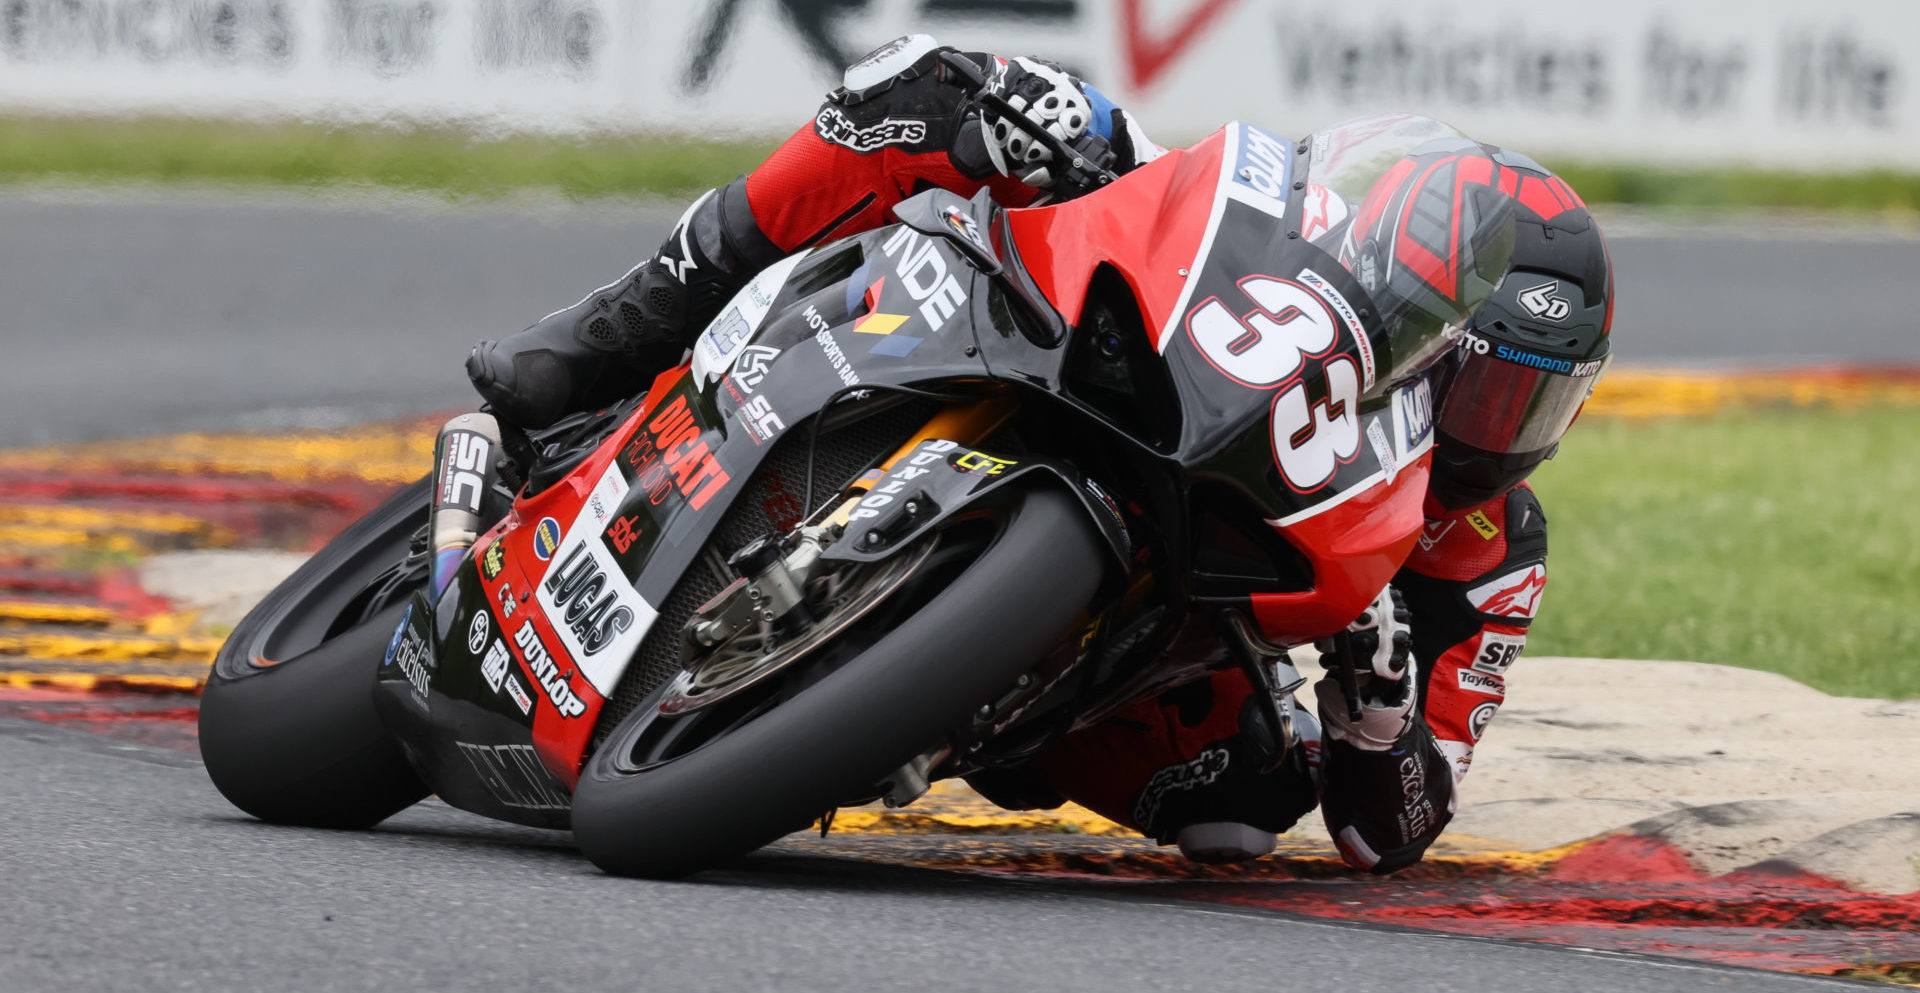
column 125, row 870
column 122, row 868
column 135, row 313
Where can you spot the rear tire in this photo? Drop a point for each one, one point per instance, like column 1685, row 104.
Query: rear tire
column 298, row 741
column 837, row 738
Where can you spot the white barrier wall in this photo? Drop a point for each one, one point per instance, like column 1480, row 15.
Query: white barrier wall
column 1765, row 81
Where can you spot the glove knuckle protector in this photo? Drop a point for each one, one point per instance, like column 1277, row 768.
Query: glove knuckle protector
column 1047, row 97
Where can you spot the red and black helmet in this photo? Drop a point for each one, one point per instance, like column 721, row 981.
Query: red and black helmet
column 1429, row 243
column 1531, row 354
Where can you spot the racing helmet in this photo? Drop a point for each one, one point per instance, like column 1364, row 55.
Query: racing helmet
column 1531, row 354
column 1429, row 243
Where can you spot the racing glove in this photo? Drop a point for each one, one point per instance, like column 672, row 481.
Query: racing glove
column 1048, row 97
column 1386, row 789
column 1382, row 646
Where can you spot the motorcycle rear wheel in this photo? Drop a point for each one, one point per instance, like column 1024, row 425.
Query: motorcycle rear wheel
column 288, row 730
column 836, row 738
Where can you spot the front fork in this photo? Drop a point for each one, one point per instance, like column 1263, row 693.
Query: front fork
column 1273, row 677
column 966, row 424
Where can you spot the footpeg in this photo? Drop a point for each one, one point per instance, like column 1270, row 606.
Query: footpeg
column 910, row 782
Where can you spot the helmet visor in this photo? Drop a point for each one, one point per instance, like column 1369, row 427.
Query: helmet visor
column 1503, row 406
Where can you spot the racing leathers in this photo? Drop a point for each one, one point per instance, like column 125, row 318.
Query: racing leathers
column 1195, row 756
column 899, row 125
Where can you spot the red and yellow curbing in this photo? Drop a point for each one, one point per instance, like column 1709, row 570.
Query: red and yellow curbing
column 77, row 520
column 1652, row 393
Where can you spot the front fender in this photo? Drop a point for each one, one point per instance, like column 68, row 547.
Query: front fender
column 940, row 479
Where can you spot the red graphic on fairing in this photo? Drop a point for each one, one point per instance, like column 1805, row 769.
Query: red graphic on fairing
column 1149, row 226
column 1516, row 594
column 623, row 534
column 676, row 443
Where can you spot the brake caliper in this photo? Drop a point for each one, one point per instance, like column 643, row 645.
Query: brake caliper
column 771, row 584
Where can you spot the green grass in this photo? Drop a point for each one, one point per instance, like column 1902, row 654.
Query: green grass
column 1778, row 540
column 438, row 161
column 455, row 163
column 1874, row 190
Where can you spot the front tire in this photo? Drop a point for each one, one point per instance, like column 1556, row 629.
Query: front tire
column 288, row 730
column 840, row 736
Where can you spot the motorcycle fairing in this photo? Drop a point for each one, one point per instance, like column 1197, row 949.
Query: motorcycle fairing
column 599, row 551
column 940, row 479
column 481, row 704
column 1268, row 341
column 723, row 341
column 963, row 222
column 601, row 548
column 1178, row 257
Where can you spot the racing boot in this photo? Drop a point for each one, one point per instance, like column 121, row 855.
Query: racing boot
column 1224, row 842
column 594, row 352
column 608, row 345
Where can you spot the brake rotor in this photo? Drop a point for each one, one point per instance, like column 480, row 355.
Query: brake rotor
column 752, row 655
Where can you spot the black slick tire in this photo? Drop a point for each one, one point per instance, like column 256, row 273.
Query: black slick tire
column 858, row 724
column 298, row 741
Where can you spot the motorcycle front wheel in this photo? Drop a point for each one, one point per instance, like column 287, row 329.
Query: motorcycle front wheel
column 719, row 783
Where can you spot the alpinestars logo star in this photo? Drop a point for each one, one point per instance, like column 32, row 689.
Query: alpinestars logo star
column 1432, row 533
column 1545, row 303
column 1516, row 594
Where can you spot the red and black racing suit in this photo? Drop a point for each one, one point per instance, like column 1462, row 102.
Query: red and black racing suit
column 1183, row 757
column 1191, row 755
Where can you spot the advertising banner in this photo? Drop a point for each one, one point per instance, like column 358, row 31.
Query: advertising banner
column 1710, row 81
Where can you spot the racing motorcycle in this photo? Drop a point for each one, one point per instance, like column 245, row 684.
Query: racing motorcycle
column 923, row 501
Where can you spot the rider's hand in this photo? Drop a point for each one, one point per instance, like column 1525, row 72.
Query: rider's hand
column 1048, row 97
column 1382, row 646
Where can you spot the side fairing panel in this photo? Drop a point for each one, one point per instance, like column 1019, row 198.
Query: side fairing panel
column 508, row 671
column 1149, row 224
column 465, row 711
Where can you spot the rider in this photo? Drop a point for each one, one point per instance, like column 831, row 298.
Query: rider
column 1175, row 767
column 896, row 126
column 1185, row 766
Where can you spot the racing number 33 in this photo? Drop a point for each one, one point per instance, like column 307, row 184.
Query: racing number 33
column 1312, row 438
column 1269, row 346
